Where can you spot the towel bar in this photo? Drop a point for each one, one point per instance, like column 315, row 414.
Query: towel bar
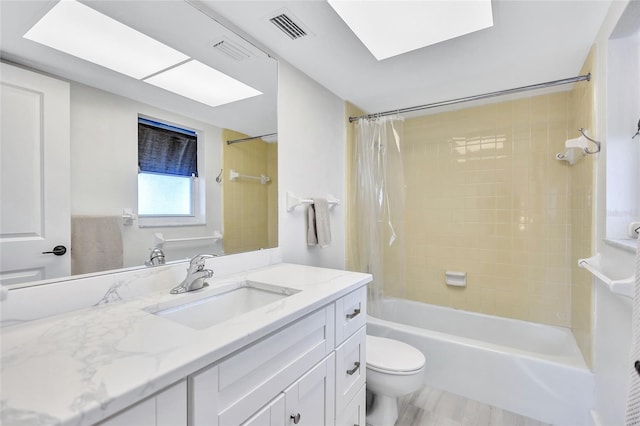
column 623, row 287
column 159, row 240
column 293, row 201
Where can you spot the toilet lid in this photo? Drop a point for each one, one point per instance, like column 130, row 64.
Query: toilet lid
column 392, row 355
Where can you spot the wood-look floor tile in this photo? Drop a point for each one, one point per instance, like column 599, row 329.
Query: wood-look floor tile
column 434, row 407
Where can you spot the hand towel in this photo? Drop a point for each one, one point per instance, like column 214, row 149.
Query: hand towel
column 633, row 398
column 96, row 244
column 318, row 225
column 312, row 238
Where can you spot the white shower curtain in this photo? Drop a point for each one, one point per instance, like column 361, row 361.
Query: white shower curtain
column 380, row 199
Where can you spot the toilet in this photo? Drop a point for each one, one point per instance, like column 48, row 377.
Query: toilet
column 394, row 369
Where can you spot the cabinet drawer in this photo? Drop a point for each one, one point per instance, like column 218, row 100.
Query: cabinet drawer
column 350, row 368
column 351, row 314
column 354, row 413
column 228, row 392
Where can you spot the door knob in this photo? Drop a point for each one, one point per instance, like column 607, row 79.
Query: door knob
column 295, row 418
column 57, row 250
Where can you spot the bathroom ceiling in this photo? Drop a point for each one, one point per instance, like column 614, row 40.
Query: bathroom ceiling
column 531, row 41
column 176, row 24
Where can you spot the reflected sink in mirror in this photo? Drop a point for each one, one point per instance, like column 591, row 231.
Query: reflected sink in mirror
column 210, row 306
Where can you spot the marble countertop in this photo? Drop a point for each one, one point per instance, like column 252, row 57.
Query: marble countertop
column 83, row 366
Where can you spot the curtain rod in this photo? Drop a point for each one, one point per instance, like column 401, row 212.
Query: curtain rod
column 250, row 138
column 586, row 77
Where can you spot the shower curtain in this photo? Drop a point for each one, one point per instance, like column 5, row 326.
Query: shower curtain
column 379, row 193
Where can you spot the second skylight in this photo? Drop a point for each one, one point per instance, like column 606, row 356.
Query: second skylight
column 390, row 28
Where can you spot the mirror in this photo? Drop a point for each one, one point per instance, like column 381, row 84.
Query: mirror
column 241, row 209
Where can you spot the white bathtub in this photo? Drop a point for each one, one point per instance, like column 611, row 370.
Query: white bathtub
column 531, row 369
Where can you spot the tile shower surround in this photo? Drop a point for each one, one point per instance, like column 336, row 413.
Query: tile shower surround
column 485, row 195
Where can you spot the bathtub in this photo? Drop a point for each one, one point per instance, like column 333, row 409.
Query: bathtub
column 531, row 369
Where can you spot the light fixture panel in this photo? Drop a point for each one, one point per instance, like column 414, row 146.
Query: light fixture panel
column 202, row 83
column 390, row 28
column 81, row 31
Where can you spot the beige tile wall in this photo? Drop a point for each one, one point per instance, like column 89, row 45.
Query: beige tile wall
column 581, row 214
column 352, row 258
column 486, row 196
column 249, row 208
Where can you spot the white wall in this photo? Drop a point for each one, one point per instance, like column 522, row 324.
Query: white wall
column 623, row 112
column 612, row 331
column 104, row 168
column 612, row 345
column 311, row 134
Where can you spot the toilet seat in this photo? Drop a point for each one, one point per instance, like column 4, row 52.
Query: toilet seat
column 393, row 357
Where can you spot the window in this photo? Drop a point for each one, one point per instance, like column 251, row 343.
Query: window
column 168, row 182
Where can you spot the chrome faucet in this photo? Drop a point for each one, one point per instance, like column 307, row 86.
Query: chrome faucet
column 196, row 275
column 156, row 257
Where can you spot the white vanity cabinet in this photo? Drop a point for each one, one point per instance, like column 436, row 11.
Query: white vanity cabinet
column 166, row 408
column 231, row 390
column 301, row 374
column 308, row 401
column 351, row 360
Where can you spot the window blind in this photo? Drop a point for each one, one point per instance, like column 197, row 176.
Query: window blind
column 166, row 149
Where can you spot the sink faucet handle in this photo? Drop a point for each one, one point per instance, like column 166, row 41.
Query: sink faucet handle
column 198, row 260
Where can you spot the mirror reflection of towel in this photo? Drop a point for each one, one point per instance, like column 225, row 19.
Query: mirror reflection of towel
column 96, row 244
column 318, row 225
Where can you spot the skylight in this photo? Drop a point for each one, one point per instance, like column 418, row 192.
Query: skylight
column 202, row 83
column 390, row 28
column 78, row 30
column 74, row 28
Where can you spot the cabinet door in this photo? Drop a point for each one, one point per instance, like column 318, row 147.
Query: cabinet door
column 311, row 399
column 354, row 414
column 166, row 408
column 271, row 415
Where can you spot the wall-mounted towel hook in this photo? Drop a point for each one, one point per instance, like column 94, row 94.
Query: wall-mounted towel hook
column 638, row 132
column 219, row 177
column 586, row 150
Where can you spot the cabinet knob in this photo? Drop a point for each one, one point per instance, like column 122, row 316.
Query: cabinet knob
column 295, row 418
column 355, row 313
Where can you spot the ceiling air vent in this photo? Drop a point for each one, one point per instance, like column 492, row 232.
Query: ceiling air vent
column 288, row 26
column 232, row 50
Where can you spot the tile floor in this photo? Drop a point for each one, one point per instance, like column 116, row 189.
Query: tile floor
column 433, row 407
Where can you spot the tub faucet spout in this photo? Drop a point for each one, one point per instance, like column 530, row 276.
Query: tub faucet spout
column 196, row 275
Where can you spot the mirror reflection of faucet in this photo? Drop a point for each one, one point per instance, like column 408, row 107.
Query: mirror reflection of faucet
column 156, row 257
column 196, row 275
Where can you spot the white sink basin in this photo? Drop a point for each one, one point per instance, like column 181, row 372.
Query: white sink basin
column 208, row 307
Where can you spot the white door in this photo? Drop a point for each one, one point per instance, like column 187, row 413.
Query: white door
column 34, row 176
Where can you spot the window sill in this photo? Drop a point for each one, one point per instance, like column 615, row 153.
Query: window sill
column 168, row 222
